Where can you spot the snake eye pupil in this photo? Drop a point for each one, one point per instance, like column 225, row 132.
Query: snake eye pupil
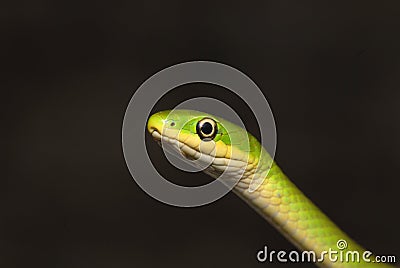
column 206, row 129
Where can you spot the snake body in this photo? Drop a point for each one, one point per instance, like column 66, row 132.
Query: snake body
column 236, row 152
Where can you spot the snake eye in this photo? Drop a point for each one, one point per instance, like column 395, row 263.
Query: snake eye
column 206, row 128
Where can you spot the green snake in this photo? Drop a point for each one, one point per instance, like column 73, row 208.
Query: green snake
column 239, row 154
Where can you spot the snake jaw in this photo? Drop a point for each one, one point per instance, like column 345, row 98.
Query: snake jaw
column 155, row 134
column 174, row 145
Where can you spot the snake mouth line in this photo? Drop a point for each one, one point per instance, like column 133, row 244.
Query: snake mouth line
column 155, row 134
column 187, row 151
column 216, row 164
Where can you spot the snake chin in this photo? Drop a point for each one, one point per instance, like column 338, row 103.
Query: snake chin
column 167, row 142
column 156, row 135
column 211, row 165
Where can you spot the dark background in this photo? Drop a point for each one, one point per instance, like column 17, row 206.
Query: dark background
column 330, row 72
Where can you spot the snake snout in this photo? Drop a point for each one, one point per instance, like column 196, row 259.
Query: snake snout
column 155, row 125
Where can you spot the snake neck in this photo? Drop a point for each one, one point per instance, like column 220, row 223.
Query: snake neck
column 281, row 203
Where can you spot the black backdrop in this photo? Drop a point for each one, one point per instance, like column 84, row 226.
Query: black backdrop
column 329, row 71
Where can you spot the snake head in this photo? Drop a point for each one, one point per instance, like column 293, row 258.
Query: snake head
column 207, row 141
column 191, row 133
